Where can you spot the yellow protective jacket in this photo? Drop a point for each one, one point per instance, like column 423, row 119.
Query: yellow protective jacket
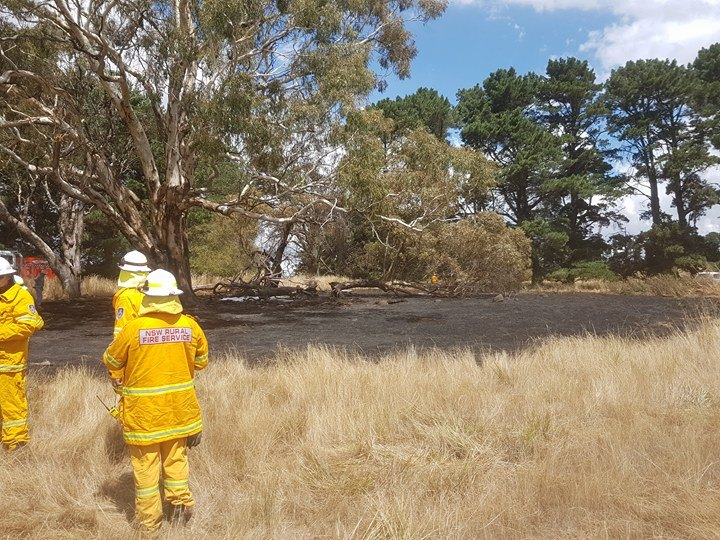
column 126, row 304
column 18, row 321
column 156, row 356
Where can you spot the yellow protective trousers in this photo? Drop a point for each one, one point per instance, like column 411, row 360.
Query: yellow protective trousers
column 147, row 462
column 13, row 409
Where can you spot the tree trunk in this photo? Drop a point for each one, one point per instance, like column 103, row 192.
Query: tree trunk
column 280, row 251
column 70, row 281
column 171, row 251
column 537, row 274
column 649, row 160
column 680, row 202
column 654, row 198
column 72, row 225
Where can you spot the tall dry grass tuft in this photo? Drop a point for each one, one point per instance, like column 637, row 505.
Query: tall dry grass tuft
column 661, row 285
column 579, row 437
column 89, row 286
column 98, row 286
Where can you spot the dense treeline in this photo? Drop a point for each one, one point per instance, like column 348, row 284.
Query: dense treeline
column 567, row 150
column 166, row 128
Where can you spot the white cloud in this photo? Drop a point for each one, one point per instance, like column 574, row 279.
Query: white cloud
column 660, row 30
column 643, row 29
column 538, row 5
column 674, row 29
column 633, row 205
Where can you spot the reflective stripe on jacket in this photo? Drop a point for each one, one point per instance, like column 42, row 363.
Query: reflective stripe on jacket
column 156, row 356
column 18, row 321
column 126, row 303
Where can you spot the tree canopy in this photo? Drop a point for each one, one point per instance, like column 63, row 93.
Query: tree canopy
column 249, row 123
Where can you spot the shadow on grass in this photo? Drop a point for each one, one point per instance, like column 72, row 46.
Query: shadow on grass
column 115, row 447
column 121, row 492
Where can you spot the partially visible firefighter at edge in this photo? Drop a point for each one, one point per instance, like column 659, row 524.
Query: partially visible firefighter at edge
column 152, row 364
column 18, row 321
column 127, row 299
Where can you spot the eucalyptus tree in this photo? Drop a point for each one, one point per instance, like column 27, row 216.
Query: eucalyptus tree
column 400, row 186
column 49, row 222
column 195, row 84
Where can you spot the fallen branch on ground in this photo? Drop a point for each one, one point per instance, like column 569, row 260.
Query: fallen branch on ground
column 265, row 291
column 398, row 288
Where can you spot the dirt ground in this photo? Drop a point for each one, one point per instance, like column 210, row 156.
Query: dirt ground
column 78, row 332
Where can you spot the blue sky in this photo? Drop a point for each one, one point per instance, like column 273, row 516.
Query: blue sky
column 475, row 37
column 463, row 47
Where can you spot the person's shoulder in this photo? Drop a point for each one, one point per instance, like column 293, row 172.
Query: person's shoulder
column 128, row 293
column 133, row 325
column 191, row 319
column 23, row 295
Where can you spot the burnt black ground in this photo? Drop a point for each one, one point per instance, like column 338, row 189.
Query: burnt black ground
column 76, row 333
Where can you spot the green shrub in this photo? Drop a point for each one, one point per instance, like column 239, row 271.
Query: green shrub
column 584, row 271
column 481, row 254
column 692, row 263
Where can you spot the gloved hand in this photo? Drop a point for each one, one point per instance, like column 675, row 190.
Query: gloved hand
column 194, row 440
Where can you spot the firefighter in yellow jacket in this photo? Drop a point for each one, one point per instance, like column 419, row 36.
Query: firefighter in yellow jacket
column 127, row 299
column 18, row 321
column 152, row 363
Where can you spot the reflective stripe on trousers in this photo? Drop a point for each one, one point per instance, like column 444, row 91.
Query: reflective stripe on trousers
column 13, row 408
column 12, row 368
column 170, row 457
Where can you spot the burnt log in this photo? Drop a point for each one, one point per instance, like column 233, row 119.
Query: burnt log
column 398, row 288
column 236, row 288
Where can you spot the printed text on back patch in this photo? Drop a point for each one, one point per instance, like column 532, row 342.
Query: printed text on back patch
column 157, row 336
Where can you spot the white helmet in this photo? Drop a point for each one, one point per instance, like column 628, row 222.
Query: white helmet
column 134, row 261
column 5, row 267
column 161, row 283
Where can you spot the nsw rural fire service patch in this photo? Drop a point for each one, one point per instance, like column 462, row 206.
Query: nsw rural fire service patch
column 156, row 336
column 120, row 312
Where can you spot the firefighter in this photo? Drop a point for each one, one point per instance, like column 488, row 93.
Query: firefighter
column 152, row 364
column 126, row 301
column 18, row 321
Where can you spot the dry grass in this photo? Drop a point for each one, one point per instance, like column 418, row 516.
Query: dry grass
column 90, row 286
column 301, row 280
column 98, row 286
column 323, row 282
column 662, row 285
column 685, row 286
column 577, row 438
